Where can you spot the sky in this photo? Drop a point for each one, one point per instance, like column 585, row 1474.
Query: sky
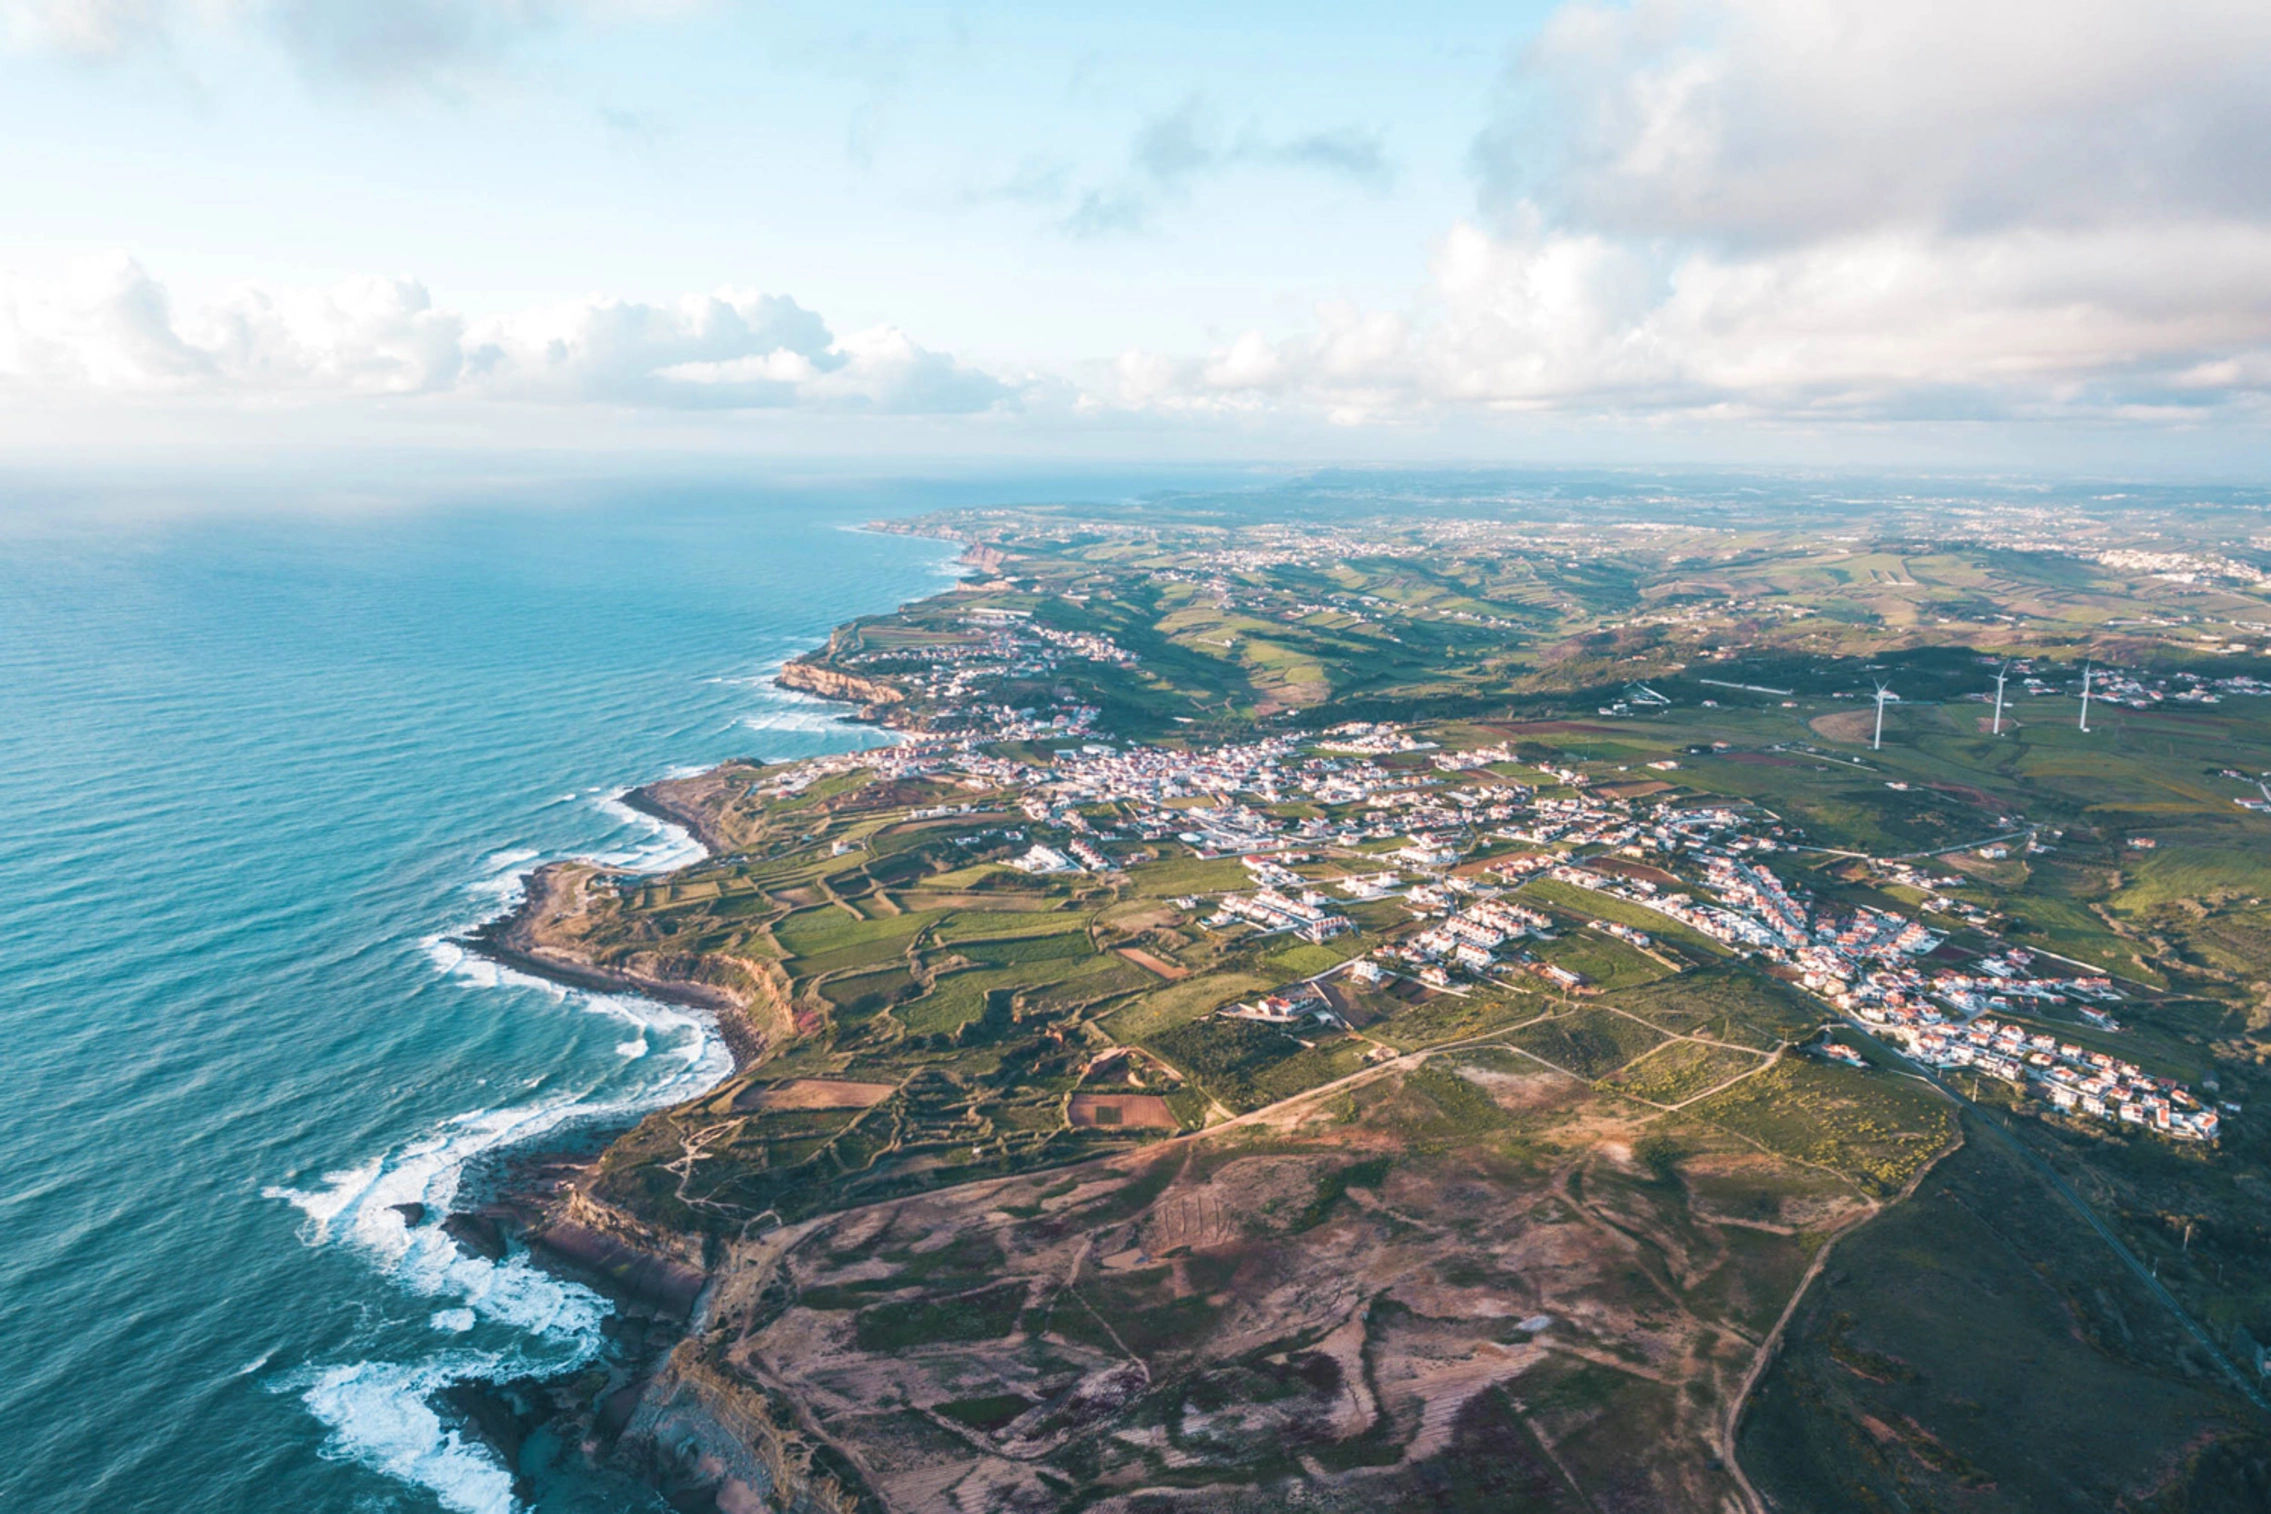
column 2002, row 232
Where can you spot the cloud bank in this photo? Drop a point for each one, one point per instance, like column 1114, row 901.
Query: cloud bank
column 1809, row 208
column 1801, row 211
column 111, row 327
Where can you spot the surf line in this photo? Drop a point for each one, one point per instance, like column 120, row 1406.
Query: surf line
column 503, row 1313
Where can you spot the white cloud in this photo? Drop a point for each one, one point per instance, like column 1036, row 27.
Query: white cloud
column 109, row 327
column 1831, row 207
column 1174, row 151
column 83, row 28
column 1793, row 209
column 1776, row 120
column 374, row 42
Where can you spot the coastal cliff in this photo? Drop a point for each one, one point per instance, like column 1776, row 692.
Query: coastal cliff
column 828, row 683
column 713, row 1433
column 660, row 800
column 550, row 934
column 636, row 1260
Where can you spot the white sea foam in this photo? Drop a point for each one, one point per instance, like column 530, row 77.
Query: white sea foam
column 810, row 720
column 357, row 1207
column 502, row 889
column 443, row 952
column 793, row 709
column 667, row 847
column 450, row 957
column 690, row 1033
column 379, row 1414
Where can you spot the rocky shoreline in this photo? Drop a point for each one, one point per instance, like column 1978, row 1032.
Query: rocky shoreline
column 540, row 1205
column 650, row 1410
column 650, row 800
column 580, row 1425
column 518, row 940
column 653, row 1409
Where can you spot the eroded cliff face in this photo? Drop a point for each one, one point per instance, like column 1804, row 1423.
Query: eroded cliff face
column 828, row 683
column 569, row 928
column 703, row 1434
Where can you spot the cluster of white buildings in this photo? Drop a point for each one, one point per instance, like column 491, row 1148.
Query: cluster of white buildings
column 1364, row 738
column 1732, row 927
column 1472, row 937
column 2077, row 1081
column 1308, row 914
column 2184, row 567
column 1007, row 644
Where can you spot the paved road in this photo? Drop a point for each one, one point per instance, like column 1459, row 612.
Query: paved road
column 1995, row 1128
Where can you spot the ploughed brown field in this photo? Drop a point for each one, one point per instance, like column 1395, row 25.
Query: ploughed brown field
column 1120, row 1111
column 1846, row 725
column 1549, row 728
column 1152, row 963
column 814, row 1093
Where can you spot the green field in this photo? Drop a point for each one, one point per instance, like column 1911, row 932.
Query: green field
column 1592, row 1043
column 1871, row 1128
column 1681, row 1070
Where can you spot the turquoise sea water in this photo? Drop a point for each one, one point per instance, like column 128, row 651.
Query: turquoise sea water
column 253, row 772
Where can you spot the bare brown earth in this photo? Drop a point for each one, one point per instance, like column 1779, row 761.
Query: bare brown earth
column 1454, row 1282
column 1634, row 790
column 814, row 1093
column 1845, row 725
column 1151, row 963
column 1624, row 867
column 1127, row 1111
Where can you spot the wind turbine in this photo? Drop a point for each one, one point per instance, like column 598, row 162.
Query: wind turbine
column 1877, row 742
column 2000, row 674
column 2085, row 696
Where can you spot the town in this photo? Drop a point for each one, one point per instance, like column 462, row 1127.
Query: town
column 1454, row 836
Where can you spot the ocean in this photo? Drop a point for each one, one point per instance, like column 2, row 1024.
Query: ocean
column 257, row 768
